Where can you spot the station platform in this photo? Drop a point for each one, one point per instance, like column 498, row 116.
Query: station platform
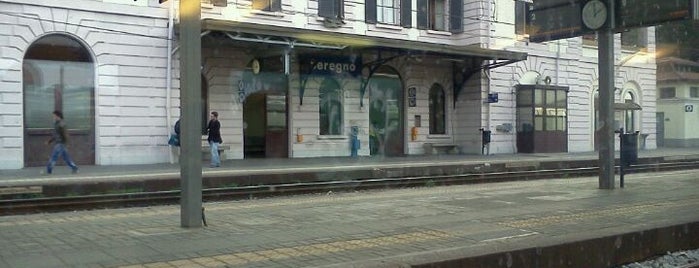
column 538, row 223
column 246, row 172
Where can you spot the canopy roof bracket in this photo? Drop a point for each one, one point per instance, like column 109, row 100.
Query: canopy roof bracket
column 466, row 73
column 373, row 67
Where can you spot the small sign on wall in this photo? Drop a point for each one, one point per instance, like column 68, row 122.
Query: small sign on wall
column 492, row 97
column 412, row 97
column 689, row 108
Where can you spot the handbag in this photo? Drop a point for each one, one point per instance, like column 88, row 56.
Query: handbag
column 174, row 140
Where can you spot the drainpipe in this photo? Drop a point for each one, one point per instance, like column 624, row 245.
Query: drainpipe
column 558, row 59
column 168, row 69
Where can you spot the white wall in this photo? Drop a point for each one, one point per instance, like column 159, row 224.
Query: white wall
column 570, row 63
column 128, row 45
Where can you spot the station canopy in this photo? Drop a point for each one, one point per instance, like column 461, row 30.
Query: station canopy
column 245, row 31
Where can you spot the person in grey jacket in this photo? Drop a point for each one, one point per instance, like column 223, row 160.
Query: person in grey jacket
column 59, row 139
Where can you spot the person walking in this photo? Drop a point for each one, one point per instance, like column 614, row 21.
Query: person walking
column 214, row 130
column 59, row 138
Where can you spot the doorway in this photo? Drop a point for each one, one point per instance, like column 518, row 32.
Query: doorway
column 58, row 74
column 386, row 113
column 265, row 109
column 660, row 128
column 265, row 131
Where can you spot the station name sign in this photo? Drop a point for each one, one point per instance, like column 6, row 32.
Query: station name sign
column 331, row 65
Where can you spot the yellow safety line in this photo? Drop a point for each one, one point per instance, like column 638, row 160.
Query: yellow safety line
column 242, row 258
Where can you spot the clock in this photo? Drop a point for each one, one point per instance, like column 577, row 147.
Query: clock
column 255, row 66
column 594, row 14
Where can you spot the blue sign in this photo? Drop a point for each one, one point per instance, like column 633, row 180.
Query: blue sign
column 331, row 65
column 492, row 97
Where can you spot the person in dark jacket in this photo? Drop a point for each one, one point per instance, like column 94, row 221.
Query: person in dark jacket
column 214, row 130
column 175, row 139
column 59, row 138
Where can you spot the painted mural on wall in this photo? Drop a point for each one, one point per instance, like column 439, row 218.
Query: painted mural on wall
column 262, row 75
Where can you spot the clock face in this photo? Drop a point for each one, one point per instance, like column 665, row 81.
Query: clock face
column 594, row 14
column 255, row 66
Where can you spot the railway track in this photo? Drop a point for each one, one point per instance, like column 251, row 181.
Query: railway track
column 87, row 202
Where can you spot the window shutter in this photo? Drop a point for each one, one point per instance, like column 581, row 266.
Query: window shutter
column 456, row 16
column 370, row 11
column 422, row 15
column 406, row 13
column 275, row 5
column 327, row 8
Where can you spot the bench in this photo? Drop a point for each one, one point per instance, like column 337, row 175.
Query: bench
column 206, row 150
column 447, row 148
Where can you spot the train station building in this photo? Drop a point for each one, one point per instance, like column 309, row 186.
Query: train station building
column 295, row 79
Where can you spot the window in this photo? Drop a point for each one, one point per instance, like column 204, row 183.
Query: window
column 437, row 15
column 437, row 110
column 330, row 108
column 332, row 9
column 630, row 118
column 550, row 109
column 694, row 92
column 521, row 8
column 267, row 5
column 393, row 12
column 58, row 76
column 388, row 11
column 542, row 118
column 204, row 105
column 667, row 93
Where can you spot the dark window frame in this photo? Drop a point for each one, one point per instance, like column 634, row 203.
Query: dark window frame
column 667, row 93
column 267, row 5
column 330, row 96
column 438, row 109
column 395, row 8
column 694, row 92
column 332, row 9
column 521, row 18
column 433, row 13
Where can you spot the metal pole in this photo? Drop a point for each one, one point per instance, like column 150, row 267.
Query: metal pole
column 190, row 86
column 622, row 159
column 606, row 101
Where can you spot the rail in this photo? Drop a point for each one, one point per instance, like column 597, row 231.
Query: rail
column 70, row 203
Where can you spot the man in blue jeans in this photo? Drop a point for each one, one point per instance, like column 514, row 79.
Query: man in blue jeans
column 214, row 130
column 59, row 138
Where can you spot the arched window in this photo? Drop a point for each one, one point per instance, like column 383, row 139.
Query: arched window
column 330, row 108
column 630, row 118
column 437, row 110
column 58, row 74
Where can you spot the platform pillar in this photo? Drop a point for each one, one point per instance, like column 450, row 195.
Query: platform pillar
column 190, row 86
column 605, row 50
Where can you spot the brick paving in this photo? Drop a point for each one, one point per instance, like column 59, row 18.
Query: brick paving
column 375, row 228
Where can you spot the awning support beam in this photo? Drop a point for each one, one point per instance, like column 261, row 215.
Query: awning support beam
column 467, row 73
